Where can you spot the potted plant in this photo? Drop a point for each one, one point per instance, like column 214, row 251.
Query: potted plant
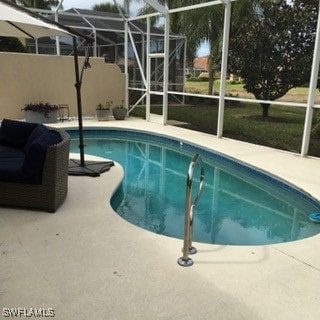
column 119, row 112
column 41, row 112
column 103, row 111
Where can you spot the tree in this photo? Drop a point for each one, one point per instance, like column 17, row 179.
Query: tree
column 272, row 51
column 9, row 44
column 107, row 7
column 40, row 4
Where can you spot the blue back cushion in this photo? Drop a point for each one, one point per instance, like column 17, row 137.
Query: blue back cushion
column 38, row 131
column 36, row 153
column 16, row 133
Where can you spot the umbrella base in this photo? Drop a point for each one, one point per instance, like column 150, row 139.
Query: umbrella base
column 90, row 168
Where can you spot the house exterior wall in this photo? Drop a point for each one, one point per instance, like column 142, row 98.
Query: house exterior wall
column 33, row 78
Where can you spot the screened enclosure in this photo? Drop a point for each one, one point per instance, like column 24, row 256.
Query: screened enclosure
column 108, row 32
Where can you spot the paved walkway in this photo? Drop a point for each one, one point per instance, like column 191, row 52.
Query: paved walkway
column 86, row 262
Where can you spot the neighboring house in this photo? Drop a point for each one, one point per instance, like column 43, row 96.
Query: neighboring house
column 201, row 63
column 200, row 67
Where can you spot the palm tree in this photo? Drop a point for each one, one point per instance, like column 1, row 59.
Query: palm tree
column 112, row 7
column 206, row 24
column 126, row 6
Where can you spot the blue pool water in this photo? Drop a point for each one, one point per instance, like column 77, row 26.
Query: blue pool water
column 239, row 205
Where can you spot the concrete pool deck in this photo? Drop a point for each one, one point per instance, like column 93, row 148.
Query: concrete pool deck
column 86, row 262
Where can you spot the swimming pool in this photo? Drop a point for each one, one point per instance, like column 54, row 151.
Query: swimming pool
column 239, row 205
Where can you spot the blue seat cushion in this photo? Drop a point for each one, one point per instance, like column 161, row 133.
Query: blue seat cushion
column 15, row 132
column 10, row 169
column 3, row 139
column 10, row 152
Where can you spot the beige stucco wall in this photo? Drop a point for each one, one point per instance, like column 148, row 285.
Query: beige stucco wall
column 32, row 78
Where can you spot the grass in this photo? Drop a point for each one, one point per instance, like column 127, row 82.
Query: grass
column 283, row 128
column 202, row 87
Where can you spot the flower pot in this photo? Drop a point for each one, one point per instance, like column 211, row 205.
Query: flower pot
column 40, row 117
column 119, row 113
column 103, row 114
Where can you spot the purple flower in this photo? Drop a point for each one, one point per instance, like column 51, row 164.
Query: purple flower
column 41, row 107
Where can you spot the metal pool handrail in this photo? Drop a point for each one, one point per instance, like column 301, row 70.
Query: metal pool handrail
column 185, row 261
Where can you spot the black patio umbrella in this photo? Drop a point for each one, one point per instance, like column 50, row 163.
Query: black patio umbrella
column 16, row 21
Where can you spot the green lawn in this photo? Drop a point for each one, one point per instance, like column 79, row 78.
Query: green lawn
column 295, row 94
column 283, row 129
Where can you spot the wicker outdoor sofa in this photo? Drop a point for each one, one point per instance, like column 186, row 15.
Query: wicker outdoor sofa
column 42, row 182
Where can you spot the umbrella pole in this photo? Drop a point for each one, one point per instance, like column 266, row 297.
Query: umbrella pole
column 79, row 103
column 76, row 167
